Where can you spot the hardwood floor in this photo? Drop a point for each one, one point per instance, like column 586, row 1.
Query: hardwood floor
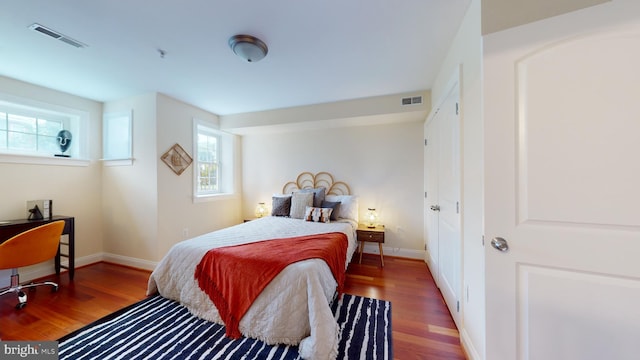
column 421, row 323
column 97, row 290
column 422, row 326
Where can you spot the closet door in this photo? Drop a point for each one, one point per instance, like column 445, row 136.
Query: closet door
column 442, row 202
column 449, row 239
column 431, row 196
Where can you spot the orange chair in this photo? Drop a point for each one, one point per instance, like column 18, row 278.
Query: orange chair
column 30, row 247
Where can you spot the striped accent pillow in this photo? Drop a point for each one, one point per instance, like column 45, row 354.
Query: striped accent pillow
column 316, row 214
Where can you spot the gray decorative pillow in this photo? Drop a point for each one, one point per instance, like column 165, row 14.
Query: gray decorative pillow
column 281, row 205
column 299, row 203
column 318, row 195
column 333, row 205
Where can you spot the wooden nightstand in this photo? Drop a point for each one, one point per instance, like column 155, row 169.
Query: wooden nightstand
column 375, row 234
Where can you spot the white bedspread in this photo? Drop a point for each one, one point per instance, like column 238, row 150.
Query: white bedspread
column 293, row 309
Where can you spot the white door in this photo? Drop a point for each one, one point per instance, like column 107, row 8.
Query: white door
column 431, row 196
column 562, row 188
column 442, row 203
column 450, row 256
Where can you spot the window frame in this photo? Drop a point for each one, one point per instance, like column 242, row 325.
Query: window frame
column 121, row 122
column 204, row 130
column 225, row 148
column 72, row 119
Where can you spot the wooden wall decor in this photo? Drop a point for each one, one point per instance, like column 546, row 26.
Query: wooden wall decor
column 177, row 159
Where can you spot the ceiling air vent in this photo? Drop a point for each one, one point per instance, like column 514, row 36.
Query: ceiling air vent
column 412, row 100
column 56, row 35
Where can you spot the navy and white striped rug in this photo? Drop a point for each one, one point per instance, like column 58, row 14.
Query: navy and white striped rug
column 158, row 328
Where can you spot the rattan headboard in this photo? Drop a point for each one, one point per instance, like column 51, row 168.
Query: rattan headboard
column 307, row 180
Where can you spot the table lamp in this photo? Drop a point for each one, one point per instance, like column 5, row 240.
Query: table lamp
column 371, row 218
column 261, row 210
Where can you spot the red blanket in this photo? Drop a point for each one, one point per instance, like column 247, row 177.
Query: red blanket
column 234, row 276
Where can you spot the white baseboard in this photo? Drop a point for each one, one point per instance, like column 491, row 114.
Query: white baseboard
column 86, row 260
column 371, row 248
column 129, row 261
column 468, row 347
column 47, row 268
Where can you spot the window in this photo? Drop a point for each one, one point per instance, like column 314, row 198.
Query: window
column 213, row 165
column 208, row 165
column 30, row 129
column 117, row 138
column 28, row 133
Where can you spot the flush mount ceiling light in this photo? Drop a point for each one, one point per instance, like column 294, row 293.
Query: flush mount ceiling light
column 248, row 47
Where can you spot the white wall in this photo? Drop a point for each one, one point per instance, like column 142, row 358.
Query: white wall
column 499, row 15
column 132, row 214
column 356, row 112
column 75, row 190
column 381, row 163
column 466, row 54
column 130, row 204
column 176, row 208
column 147, row 207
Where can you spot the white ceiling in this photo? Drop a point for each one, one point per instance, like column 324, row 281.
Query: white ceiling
column 319, row 51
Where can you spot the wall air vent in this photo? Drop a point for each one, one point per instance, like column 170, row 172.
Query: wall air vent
column 412, row 100
column 56, row 35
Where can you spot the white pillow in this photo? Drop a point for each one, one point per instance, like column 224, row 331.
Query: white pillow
column 348, row 206
column 299, row 203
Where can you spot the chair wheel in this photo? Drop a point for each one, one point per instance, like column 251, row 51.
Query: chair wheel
column 22, row 297
column 19, row 306
column 54, row 288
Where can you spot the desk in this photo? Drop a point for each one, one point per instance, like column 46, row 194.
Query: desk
column 10, row 228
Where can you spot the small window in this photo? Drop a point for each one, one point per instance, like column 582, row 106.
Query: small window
column 208, row 165
column 117, row 136
column 213, row 165
column 33, row 130
column 29, row 134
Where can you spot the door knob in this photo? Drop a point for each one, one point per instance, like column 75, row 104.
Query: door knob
column 500, row 244
column 435, row 207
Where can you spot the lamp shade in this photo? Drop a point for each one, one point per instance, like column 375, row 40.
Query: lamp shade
column 371, row 218
column 261, row 210
column 249, row 48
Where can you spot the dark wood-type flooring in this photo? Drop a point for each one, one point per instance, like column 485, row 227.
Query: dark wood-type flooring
column 422, row 326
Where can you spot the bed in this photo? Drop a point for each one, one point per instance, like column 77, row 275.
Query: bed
column 294, row 308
